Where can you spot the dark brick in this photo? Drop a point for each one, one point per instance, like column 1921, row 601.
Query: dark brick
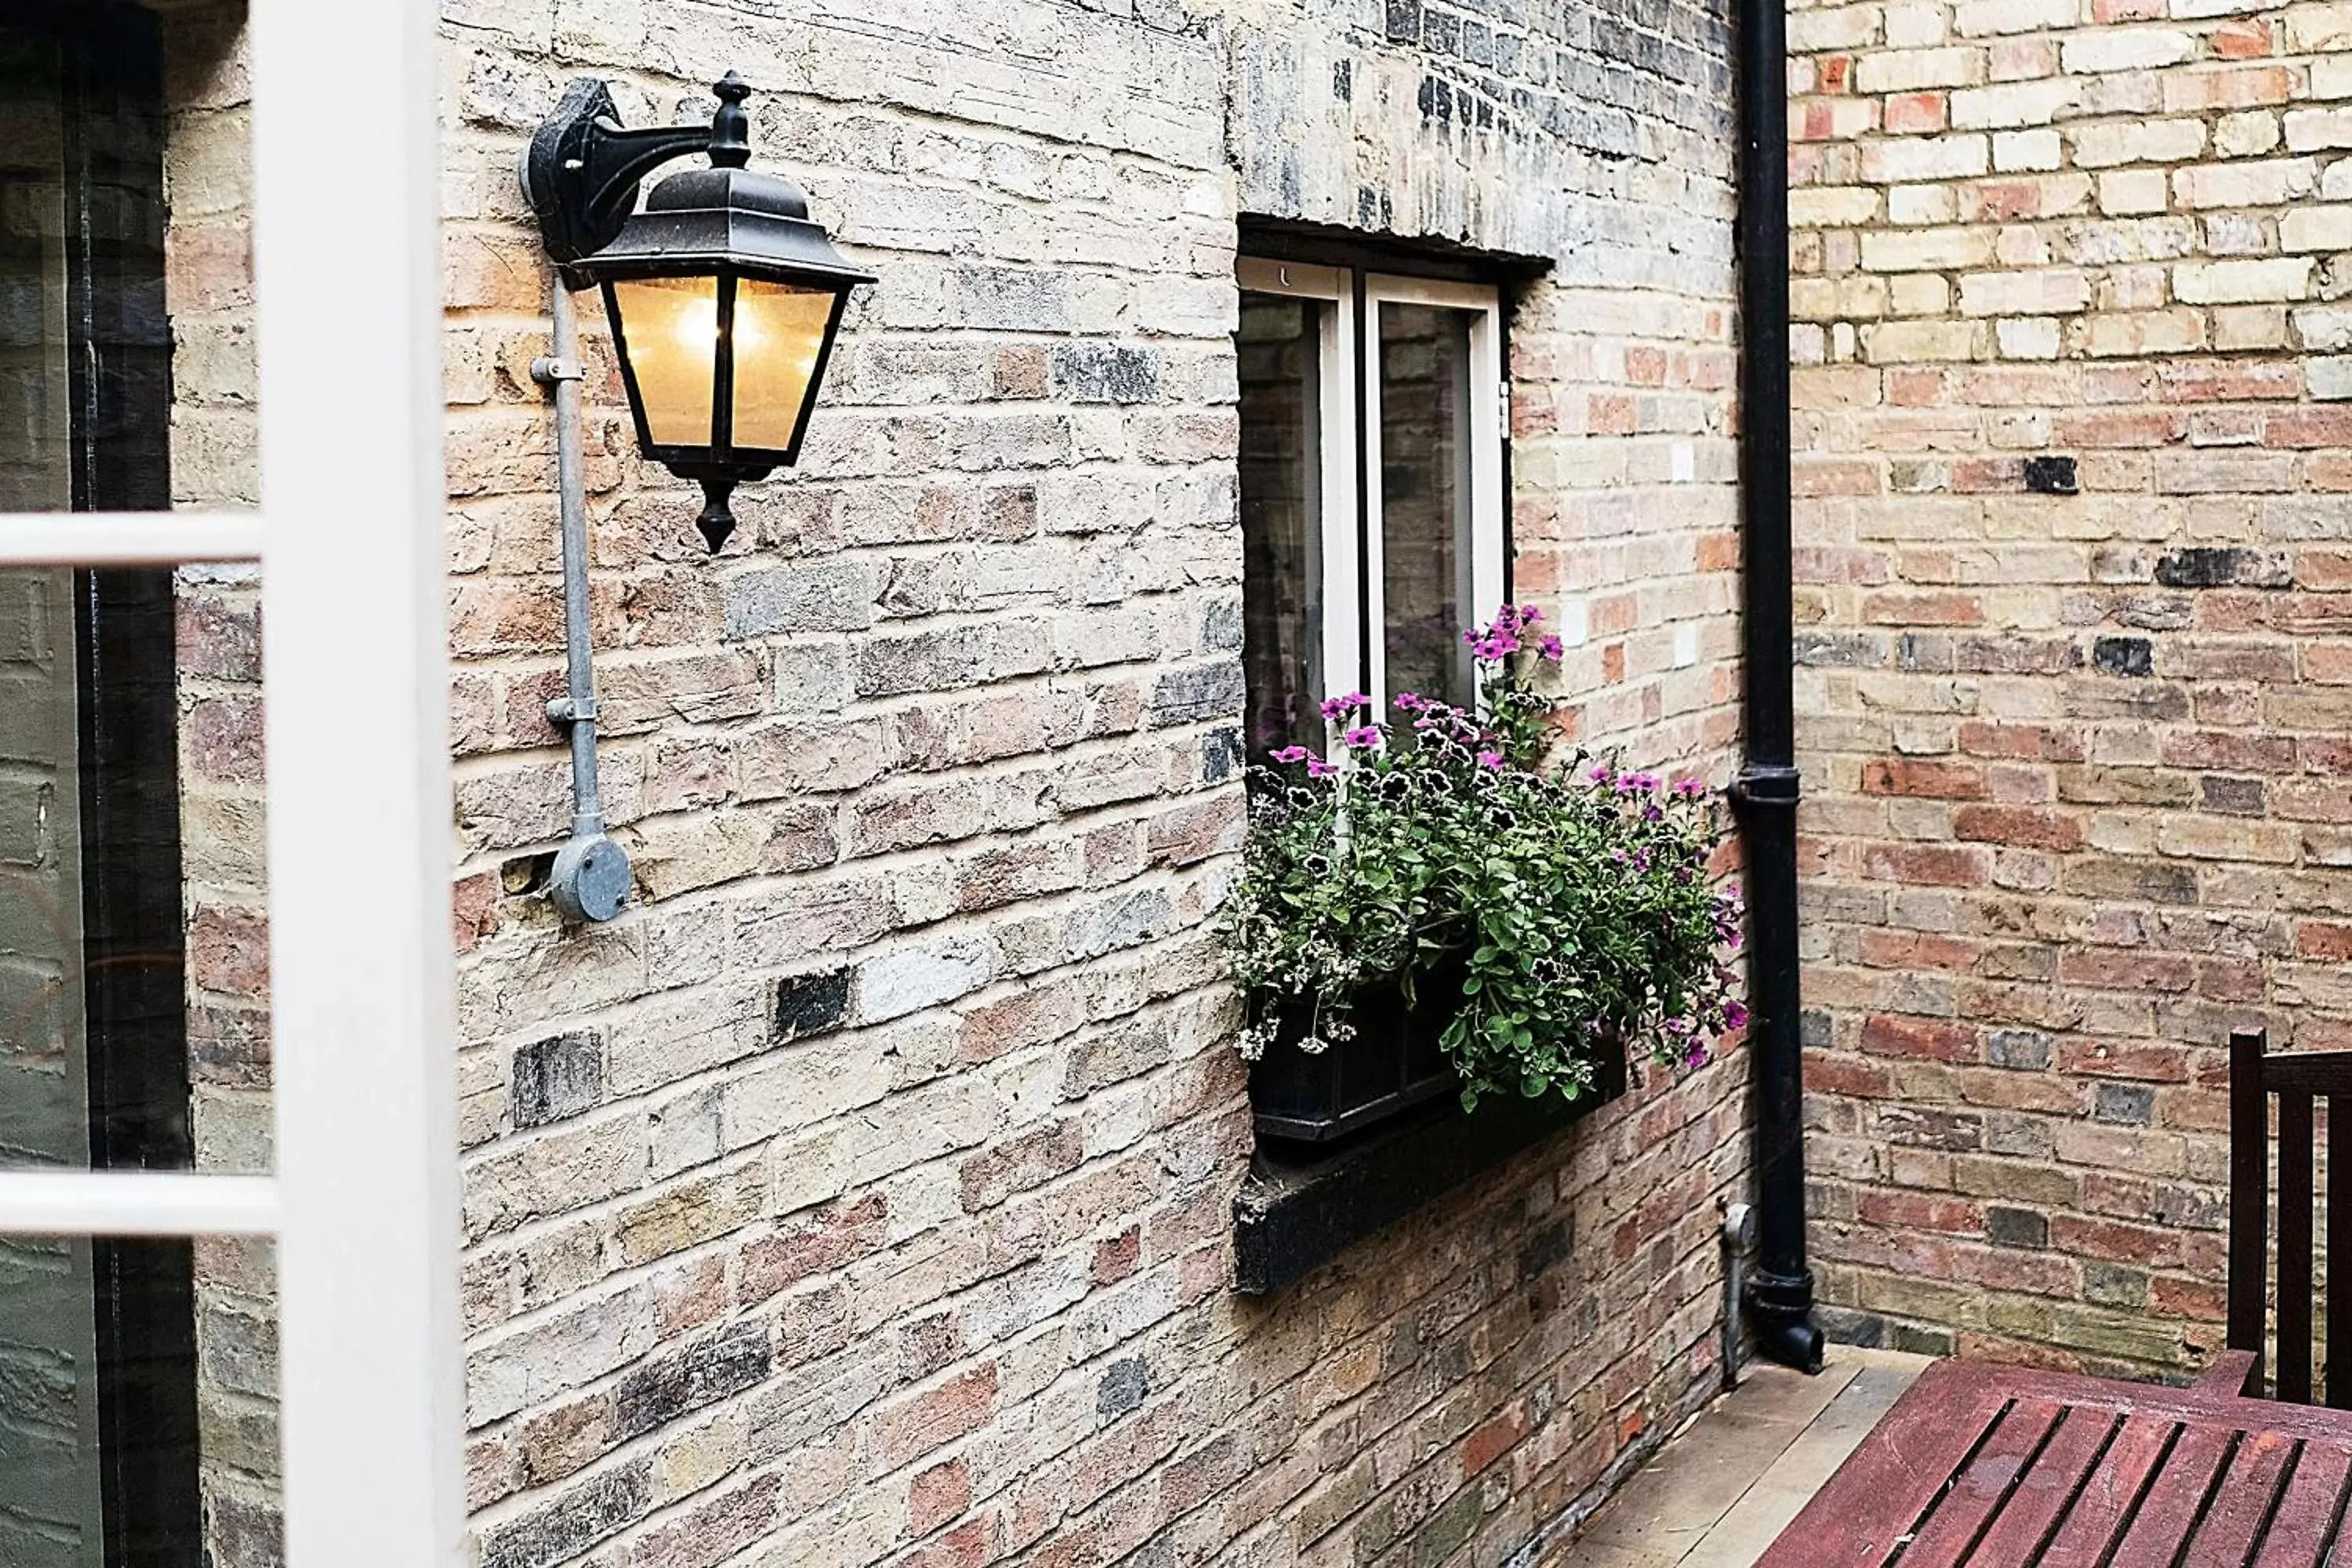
column 555, row 1079
column 569, row 1525
column 1404, row 20
column 808, row 1005
column 2124, row 656
column 2234, row 797
column 2016, row 1227
column 2050, row 476
column 1545, row 1249
column 1845, row 1326
column 2222, row 567
column 2130, row 1104
column 1106, row 373
column 1915, row 1340
column 2026, row 1048
column 1197, row 695
column 654, row 1392
column 1221, row 755
column 1123, row 1387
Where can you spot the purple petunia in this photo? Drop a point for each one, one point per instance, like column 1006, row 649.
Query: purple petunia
column 1317, row 768
column 1689, row 788
column 1363, row 738
column 1491, row 761
column 1413, row 702
column 1735, row 1014
column 1292, row 754
column 1338, row 708
column 1551, row 648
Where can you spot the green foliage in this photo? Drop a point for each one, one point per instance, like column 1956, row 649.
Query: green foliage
column 1572, row 904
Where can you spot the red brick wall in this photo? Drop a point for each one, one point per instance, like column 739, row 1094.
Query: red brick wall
column 2076, row 765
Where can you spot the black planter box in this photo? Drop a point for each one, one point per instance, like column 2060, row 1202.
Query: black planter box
column 1305, row 1204
column 1392, row 1064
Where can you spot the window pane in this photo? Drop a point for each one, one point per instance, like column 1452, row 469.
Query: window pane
column 668, row 329
column 1281, row 353
column 1425, row 499
column 127, row 369
column 138, row 1404
column 133, row 950
column 779, row 331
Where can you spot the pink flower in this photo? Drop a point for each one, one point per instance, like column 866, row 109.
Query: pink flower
column 1491, row 761
column 1338, row 708
column 1735, row 1014
column 1690, row 788
column 1363, row 738
column 1551, row 648
column 1317, row 768
column 1292, row 754
column 1530, row 615
column 1411, row 702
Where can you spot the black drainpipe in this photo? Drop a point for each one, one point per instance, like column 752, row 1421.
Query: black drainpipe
column 1781, row 1293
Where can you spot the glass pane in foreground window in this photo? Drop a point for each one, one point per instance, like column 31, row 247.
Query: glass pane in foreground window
column 134, row 941
column 1280, row 345
column 138, row 1404
column 1425, row 500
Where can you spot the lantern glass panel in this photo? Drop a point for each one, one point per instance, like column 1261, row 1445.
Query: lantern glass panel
column 779, row 334
column 669, row 327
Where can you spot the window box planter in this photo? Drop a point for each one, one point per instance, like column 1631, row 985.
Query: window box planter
column 1392, row 1064
column 1305, row 1204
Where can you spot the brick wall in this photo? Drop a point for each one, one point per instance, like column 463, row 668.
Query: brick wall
column 2075, row 763
column 865, row 1190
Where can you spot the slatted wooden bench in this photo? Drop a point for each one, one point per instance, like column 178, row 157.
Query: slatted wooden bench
column 2002, row 1466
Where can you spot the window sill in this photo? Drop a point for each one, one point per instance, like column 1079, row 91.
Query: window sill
column 1302, row 1207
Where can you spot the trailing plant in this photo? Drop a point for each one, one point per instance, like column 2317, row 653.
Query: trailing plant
column 1570, row 902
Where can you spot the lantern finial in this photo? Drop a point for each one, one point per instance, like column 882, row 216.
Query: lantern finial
column 717, row 520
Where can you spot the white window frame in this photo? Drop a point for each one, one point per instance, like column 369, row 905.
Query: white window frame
column 1353, row 558
column 1342, row 629
column 363, row 1201
column 1489, row 568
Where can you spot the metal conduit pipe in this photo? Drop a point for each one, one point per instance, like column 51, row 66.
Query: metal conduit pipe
column 591, row 877
column 1781, row 1292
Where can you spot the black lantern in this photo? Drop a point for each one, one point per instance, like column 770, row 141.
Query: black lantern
column 723, row 296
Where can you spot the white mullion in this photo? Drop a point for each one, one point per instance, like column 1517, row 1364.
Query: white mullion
column 1342, row 566
column 347, row 259
column 1374, row 635
column 1488, row 521
column 136, row 1203
column 128, row 539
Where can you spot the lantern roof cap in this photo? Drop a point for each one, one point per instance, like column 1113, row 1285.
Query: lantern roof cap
column 723, row 220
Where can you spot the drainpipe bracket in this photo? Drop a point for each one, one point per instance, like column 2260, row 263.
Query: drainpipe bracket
column 1769, row 784
column 564, row 712
column 548, row 371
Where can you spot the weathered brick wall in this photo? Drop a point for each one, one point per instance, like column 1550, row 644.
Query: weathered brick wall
column 2075, row 763
column 215, row 463
column 866, row 1189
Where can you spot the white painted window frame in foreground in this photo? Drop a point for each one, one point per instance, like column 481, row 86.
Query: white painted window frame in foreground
column 1342, row 630
column 365, row 1199
column 1488, row 434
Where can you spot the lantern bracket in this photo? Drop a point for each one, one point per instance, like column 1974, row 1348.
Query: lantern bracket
column 582, row 168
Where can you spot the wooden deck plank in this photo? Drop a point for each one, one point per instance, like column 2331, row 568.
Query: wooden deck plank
column 2042, row 1500
column 1794, row 1478
column 2241, row 1509
column 2107, row 1501
column 1964, row 1511
column 2309, row 1514
column 2175, row 1499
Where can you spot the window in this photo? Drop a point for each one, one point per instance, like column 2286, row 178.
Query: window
column 108, row 1184
column 1372, row 431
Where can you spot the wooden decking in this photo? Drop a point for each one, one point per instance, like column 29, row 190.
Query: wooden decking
column 1718, row 1493
column 2002, row 1466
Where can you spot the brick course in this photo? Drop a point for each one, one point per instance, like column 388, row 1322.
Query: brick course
column 2073, row 761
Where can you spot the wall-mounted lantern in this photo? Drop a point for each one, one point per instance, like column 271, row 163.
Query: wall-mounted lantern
column 723, row 296
column 724, row 299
